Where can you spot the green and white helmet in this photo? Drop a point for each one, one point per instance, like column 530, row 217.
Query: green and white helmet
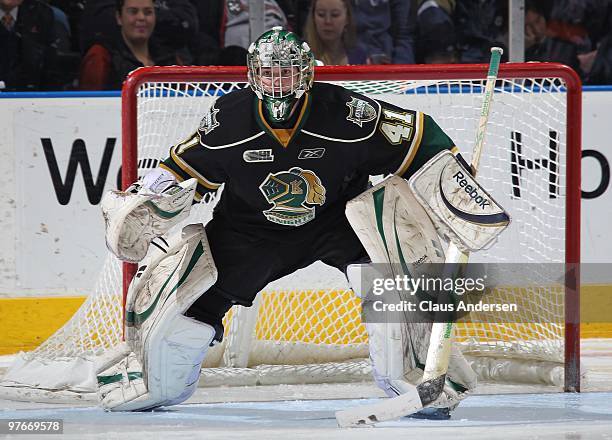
column 280, row 69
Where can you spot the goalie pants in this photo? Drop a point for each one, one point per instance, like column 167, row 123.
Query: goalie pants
column 246, row 263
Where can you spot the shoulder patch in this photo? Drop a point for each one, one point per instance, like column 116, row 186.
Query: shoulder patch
column 224, row 125
column 360, row 111
column 209, row 121
column 341, row 115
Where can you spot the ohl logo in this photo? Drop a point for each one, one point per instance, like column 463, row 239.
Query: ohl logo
column 291, row 192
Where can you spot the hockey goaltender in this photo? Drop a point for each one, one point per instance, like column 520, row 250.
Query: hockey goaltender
column 293, row 155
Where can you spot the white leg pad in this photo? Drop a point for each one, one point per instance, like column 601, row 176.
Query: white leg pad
column 159, row 364
column 394, row 228
column 398, row 352
column 171, row 372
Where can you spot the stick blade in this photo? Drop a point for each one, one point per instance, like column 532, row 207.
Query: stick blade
column 388, row 409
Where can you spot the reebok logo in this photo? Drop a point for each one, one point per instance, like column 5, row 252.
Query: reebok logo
column 311, row 153
column 471, row 190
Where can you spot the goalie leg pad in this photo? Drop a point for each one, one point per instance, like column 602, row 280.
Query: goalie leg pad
column 393, row 227
column 399, row 237
column 160, row 362
column 398, row 351
column 171, row 368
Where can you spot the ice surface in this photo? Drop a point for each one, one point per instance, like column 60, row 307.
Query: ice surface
column 513, row 416
column 298, row 412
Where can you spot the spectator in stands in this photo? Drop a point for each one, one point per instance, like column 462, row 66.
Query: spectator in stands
column 67, row 56
column 596, row 65
column 206, row 45
column 437, row 41
column 98, row 23
column 176, row 25
column 68, row 13
column 330, row 33
column 539, row 46
column 387, row 29
column 235, row 29
column 291, row 9
column 224, row 34
column 584, row 25
column 28, row 59
column 481, row 25
column 106, row 64
column 299, row 13
column 567, row 21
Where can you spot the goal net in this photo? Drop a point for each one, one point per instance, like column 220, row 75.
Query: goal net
column 306, row 327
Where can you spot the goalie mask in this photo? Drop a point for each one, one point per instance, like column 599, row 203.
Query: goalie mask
column 280, row 70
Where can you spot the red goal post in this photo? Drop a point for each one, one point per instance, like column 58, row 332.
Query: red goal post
column 510, row 71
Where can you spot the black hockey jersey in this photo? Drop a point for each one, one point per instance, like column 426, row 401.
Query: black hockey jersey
column 277, row 180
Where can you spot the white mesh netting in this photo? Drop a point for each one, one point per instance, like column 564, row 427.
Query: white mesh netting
column 311, row 320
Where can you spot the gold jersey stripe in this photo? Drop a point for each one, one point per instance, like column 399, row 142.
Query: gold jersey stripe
column 187, row 144
column 414, row 146
column 192, row 172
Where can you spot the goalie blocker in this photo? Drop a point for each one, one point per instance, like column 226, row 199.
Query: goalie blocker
column 400, row 223
column 459, row 207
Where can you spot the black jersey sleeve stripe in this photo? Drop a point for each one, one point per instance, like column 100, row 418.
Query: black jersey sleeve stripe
column 414, row 145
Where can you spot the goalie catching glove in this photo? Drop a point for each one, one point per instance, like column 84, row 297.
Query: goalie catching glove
column 146, row 210
column 159, row 363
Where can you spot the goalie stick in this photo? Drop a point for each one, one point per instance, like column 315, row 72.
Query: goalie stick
column 438, row 354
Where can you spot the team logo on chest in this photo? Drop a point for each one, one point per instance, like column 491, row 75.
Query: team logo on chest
column 360, row 111
column 292, row 193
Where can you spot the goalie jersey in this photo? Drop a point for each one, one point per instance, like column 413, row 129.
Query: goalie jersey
column 302, row 175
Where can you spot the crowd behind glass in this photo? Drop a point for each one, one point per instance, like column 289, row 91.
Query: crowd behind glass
column 94, row 44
